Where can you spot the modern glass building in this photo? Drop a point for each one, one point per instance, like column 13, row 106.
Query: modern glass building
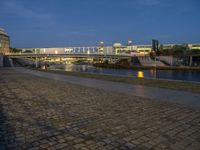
column 4, row 42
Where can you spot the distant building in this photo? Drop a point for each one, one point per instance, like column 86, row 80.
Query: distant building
column 144, row 49
column 4, row 42
column 116, row 48
column 194, row 46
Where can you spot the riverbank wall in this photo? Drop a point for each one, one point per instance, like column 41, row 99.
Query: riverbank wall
column 1, row 60
column 118, row 66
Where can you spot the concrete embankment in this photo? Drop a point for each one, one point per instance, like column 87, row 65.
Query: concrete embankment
column 23, row 62
column 1, row 60
column 118, row 66
column 5, row 61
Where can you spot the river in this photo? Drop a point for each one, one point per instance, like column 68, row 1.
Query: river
column 159, row 74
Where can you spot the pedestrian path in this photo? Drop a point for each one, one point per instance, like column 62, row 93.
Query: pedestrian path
column 154, row 93
column 37, row 111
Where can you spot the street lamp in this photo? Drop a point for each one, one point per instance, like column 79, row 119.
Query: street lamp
column 130, row 42
column 36, row 58
column 101, row 43
column 155, row 48
column 101, row 46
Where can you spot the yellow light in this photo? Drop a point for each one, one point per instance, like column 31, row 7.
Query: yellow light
column 140, row 74
column 56, row 52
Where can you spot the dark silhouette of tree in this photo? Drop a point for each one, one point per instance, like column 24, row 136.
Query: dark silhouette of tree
column 179, row 49
column 15, row 50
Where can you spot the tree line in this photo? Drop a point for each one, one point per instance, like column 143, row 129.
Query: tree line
column 176, row 50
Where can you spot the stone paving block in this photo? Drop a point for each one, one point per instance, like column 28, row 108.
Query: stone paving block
column 38, row 113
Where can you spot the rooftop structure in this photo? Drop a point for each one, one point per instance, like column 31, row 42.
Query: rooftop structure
column 2, row 31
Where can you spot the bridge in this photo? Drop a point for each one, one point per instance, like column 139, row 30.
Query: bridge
column 68, row 55
column 36, row 57
column 144, row 60
column 80, row 55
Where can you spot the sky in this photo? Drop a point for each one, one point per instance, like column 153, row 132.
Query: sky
column 62, row 23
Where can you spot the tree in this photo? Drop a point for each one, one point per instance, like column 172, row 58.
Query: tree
column 179, row 49
column 15, row 50
column 193, row 52
column 158, row 53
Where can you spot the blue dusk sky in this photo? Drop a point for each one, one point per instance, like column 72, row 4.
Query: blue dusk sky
column 60, row 23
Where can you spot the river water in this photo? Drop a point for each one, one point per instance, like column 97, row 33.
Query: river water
column 160, row 74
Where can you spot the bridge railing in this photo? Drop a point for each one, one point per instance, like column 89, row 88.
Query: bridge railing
column 84, row 54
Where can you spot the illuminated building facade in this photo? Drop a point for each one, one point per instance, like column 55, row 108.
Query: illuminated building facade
column 4, row 42
column 117, row 48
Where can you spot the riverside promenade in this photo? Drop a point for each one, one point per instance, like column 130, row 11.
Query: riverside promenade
column 41, row 110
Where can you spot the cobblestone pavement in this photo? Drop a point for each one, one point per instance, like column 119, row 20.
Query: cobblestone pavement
column 38, row 113
column 154, row 93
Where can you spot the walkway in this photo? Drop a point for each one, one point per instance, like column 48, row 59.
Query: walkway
column 41, row 113
column 160, row 94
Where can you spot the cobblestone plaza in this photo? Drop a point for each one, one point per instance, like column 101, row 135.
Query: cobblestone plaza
column 38, row 113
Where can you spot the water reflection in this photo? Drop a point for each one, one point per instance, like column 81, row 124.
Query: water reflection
column 160, row 74
column 140, row 74
column 68, row 68
column 130, row 74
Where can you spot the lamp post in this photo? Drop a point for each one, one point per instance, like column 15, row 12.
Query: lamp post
column 36, row 59
column 101, row 45
column 102, row 48
column 155, row 44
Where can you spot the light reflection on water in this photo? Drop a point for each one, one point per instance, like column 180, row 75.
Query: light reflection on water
column 162, row 74
column 140, row 74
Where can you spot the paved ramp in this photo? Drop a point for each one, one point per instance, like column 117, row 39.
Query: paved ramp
column 160, row 94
